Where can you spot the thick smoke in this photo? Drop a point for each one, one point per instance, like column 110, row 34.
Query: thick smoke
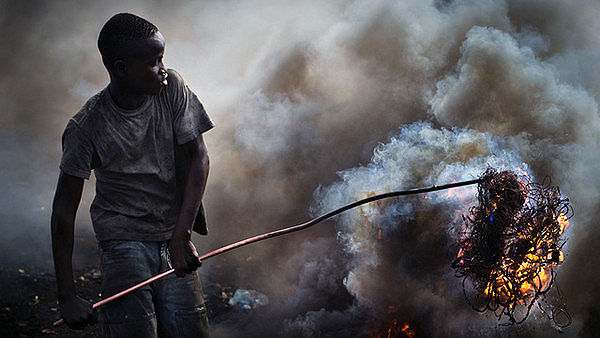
column 400, row 250
column 301, row 90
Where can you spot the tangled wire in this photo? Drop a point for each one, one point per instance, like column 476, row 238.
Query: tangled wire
column 511, row 245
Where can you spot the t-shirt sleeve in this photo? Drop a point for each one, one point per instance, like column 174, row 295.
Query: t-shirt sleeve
column 77, row 152
column 189, row 117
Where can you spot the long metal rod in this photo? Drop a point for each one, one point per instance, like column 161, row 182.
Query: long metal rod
column 284, row 231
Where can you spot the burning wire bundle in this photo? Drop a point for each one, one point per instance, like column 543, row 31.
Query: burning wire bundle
column 512, row 244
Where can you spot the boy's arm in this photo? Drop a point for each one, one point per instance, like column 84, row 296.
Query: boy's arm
column 183, row 253
column 76, row 311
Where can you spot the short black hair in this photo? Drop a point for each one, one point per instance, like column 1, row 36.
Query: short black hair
column 120, row 30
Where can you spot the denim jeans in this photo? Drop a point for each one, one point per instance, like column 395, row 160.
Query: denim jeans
column 169, row 307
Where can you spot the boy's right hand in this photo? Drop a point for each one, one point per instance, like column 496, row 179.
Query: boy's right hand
column 184, row 256
column 77, row 312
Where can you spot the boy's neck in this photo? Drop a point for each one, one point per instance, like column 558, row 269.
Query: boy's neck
column 124, row 99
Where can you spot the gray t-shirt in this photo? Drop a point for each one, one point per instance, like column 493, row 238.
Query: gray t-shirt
column 135, row 158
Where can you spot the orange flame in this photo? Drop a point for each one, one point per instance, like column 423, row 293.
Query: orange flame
column 533, row 268
column 563, row 222
column 396, row 329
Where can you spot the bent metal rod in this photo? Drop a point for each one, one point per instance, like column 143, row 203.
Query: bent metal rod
column 280, row 232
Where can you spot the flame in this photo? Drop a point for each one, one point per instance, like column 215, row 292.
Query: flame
column 396, row 329
column 392, row 326
column 533, row 268
column 563, row 222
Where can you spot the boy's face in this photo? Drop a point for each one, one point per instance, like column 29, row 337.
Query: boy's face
column 146, row 73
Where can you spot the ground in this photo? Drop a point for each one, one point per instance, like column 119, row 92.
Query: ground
column 28, row 302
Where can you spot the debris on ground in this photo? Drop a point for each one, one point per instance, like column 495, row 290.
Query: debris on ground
column 248, row 299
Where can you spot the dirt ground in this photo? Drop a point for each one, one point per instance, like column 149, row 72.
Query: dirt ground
column 28, row 302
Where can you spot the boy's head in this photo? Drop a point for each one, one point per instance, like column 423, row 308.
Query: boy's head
column 132, row 50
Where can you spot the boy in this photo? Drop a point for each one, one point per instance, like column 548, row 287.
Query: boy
column 142, row 135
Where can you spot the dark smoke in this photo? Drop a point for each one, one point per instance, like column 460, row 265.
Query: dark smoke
column 300, row 90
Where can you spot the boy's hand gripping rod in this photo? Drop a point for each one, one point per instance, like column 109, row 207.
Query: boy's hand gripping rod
column 282, row 232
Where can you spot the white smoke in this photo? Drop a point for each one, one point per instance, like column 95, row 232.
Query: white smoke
column 386, row 238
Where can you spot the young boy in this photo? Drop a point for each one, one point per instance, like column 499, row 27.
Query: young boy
column 142, row 135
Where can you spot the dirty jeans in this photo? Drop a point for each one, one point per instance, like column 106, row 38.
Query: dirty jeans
column 169, row 307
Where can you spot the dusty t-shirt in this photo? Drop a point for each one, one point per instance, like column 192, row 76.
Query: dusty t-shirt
column 133, row 154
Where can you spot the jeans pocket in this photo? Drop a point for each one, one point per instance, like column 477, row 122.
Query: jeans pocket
column 192, row 322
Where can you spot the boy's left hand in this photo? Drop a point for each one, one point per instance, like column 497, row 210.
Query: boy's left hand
column 184, row 256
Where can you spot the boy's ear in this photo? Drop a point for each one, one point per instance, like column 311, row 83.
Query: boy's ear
column 120, row 68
